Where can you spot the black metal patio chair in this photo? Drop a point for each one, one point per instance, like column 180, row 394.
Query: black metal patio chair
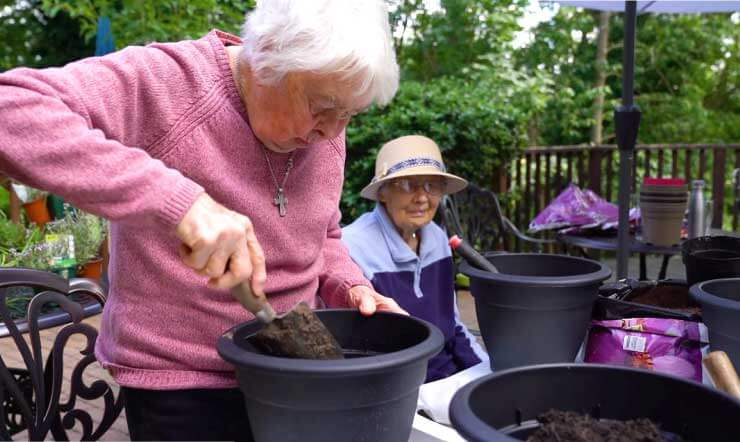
column 475, row 215
column 31, row 396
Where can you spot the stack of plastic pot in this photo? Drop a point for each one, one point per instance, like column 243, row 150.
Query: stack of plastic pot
column 662, row 208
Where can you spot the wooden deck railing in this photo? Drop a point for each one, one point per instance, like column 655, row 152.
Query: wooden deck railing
column 539, row 174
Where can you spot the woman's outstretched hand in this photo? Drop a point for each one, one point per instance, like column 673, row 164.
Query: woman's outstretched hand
column 368, row 301
column 221, row 244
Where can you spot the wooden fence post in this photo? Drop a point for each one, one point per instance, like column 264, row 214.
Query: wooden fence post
column 594, row 170
column 718, row 186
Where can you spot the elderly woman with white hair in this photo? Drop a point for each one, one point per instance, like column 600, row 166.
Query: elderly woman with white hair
column 218, row 161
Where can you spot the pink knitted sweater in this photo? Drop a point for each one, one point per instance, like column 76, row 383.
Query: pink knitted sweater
column 136, row 136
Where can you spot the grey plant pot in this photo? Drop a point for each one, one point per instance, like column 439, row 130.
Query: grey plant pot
column 371, row 398
column 537, row 309
column 504, row 406
column 720, row 305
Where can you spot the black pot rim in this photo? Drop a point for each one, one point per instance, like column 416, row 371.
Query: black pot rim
column 236, row 356
column 473, row 428
column 601, row 274
column 700, row 295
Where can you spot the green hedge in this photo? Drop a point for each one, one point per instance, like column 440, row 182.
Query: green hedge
column 479, row 123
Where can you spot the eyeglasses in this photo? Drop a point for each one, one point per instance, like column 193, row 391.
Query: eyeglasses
column 327, row 107
column 434, row 187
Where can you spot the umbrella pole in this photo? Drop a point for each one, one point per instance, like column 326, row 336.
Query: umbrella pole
column 627, row 120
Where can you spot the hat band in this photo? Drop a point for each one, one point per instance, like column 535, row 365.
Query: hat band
column 411, row 162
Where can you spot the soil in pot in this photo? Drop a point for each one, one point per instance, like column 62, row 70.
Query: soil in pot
column 667, row 296
column 568, row 426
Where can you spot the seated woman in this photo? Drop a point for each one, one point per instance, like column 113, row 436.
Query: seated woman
column 405, row 254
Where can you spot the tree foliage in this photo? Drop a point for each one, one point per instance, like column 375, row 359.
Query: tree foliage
column 479, row 121
column 136, row 22
column 40, row 33
column 445, row 41
column 29, row 37
column 686, row 76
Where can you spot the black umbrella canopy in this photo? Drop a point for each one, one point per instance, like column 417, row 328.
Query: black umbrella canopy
column 627, row 116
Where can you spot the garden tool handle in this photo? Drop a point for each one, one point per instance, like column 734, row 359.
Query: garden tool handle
column 258, row 306
column 471, row 255
column 723, row 373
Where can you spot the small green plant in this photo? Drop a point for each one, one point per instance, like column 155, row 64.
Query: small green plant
column 12, row 235
column 88, row 231
column 39, row 256
column 16, row 241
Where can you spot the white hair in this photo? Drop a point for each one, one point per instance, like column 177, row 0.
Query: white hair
column 348, row 37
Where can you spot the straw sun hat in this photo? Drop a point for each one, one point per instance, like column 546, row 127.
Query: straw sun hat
column 408, row 156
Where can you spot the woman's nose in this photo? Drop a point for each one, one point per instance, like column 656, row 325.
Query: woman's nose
column 420, row 195
column 330, row 127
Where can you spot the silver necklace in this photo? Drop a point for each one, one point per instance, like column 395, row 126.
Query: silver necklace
column 280, row 200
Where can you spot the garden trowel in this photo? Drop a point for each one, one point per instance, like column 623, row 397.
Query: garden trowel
column 299, row 333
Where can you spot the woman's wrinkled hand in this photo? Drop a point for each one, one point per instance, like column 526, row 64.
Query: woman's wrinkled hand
column 368, row 301
column 221, row 244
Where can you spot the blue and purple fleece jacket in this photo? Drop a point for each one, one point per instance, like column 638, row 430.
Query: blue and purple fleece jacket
column 422, row 284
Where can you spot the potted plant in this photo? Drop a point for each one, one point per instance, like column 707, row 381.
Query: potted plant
column 88, row 232
column 34, row 203
column 12, row 235
column 53, row 254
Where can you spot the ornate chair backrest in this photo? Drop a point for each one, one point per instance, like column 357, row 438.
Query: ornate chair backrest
column 30, row 396
column 475, row 215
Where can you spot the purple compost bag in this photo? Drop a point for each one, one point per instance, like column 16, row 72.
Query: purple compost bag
column 671, row 346
column 579, row 208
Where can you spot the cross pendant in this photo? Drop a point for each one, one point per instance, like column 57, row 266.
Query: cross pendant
column 281, row 201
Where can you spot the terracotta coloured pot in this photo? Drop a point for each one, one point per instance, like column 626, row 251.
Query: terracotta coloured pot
column 92, row 269
column 37, row 212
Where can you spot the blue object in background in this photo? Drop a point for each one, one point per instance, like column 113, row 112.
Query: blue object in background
column 104, row 42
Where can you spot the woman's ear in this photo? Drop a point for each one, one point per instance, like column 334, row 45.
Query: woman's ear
column 383, row 194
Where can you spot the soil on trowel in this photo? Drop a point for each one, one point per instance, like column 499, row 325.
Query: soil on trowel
column 667, row 296
column 297, row 334
column 568, row 426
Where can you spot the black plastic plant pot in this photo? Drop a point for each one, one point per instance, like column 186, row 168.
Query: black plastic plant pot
column 720, row 305
column 504, row 406
column 711, row 257
column 368, row 398
column 537, row 309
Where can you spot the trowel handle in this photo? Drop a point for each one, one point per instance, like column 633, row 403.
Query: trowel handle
column 258, row 306
column 723, row 373
column 471, row 255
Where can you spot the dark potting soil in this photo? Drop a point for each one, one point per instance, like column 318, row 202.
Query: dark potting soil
column 298, row 334
column 568, row 426
column 667, row 296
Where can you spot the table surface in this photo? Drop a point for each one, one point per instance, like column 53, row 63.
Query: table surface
column 608, row 241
